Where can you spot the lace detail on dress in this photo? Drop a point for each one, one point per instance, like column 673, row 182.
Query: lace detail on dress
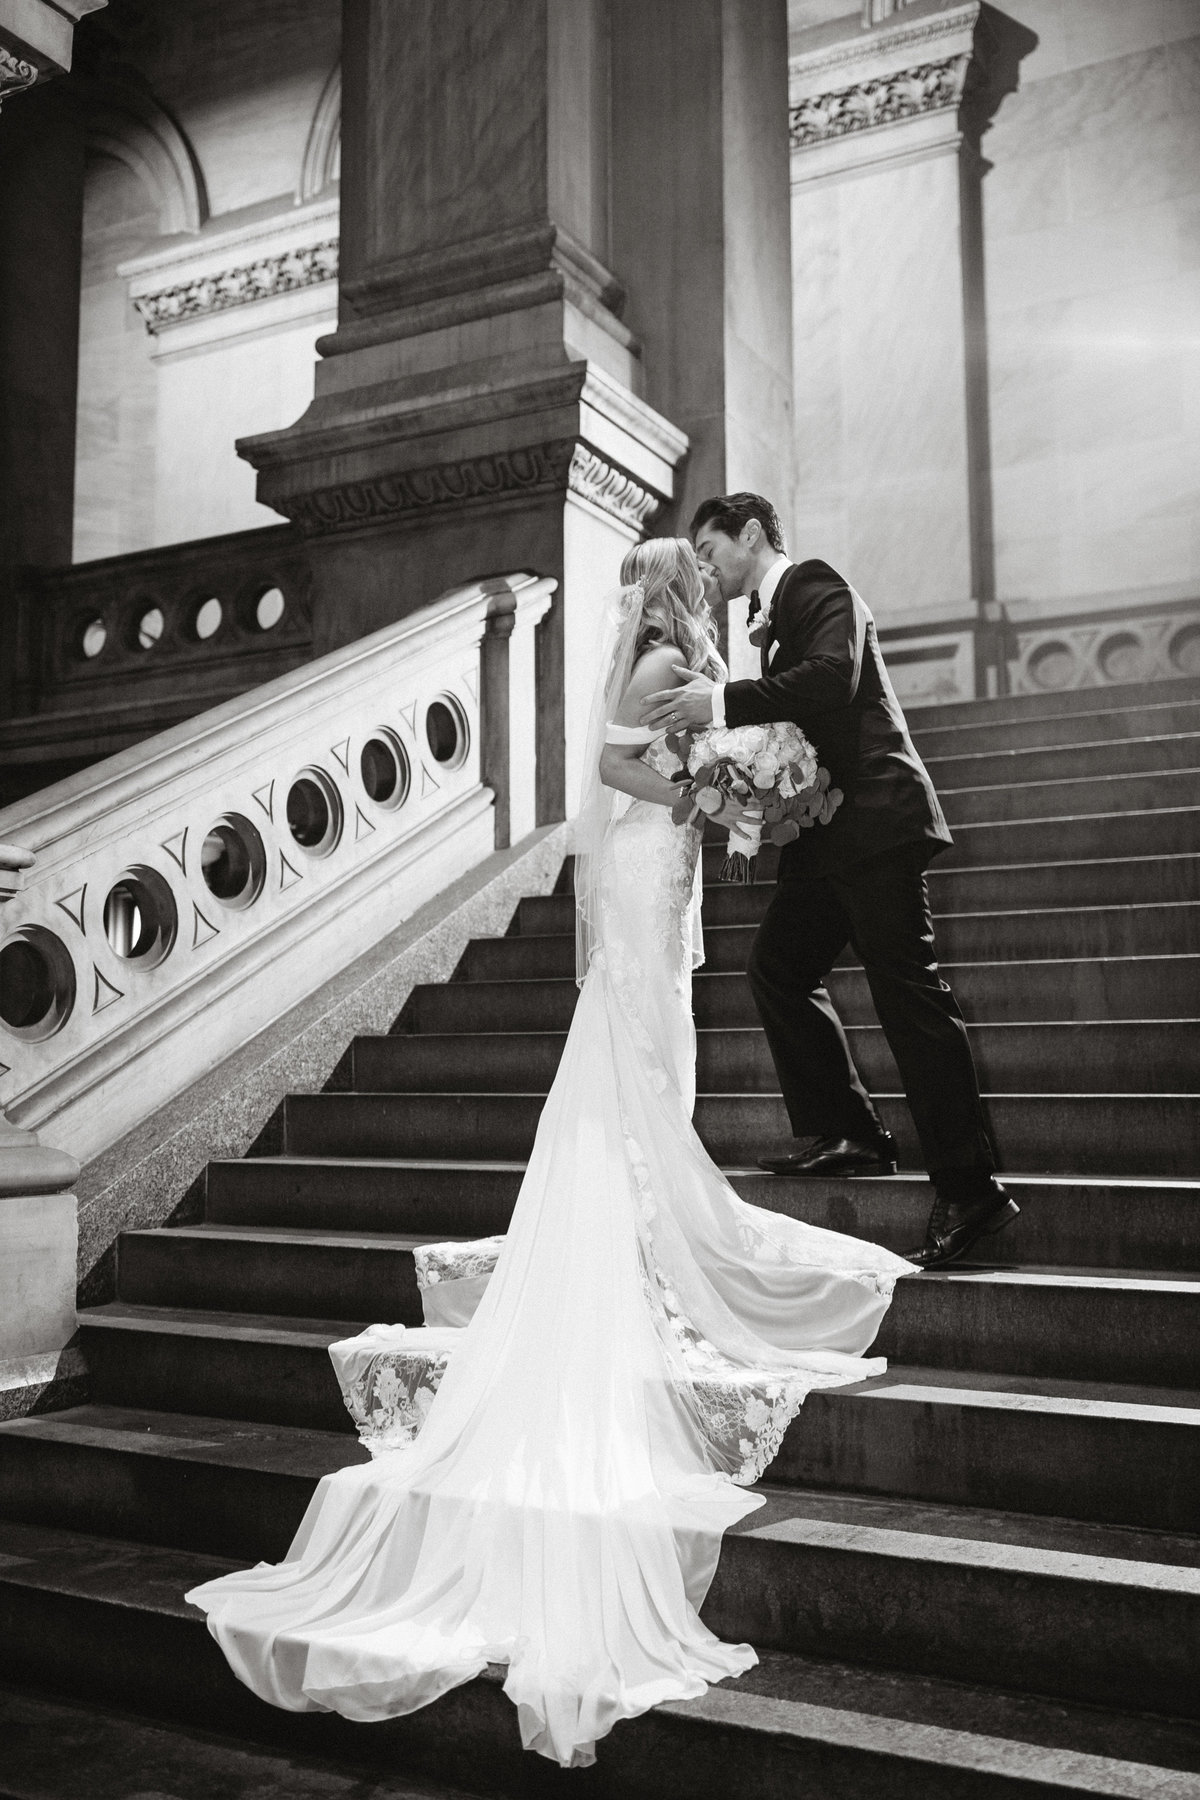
column 390, row 1398
column 456, row 1262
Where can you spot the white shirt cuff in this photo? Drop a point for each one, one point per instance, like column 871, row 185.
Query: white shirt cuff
column 718, row 705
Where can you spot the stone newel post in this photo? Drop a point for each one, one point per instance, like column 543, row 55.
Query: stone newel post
column 38, row 1235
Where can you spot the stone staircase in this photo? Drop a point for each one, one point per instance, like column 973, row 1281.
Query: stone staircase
column 978, row 1575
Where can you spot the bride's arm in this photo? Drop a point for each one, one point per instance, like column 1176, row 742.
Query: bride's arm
column 621, row 766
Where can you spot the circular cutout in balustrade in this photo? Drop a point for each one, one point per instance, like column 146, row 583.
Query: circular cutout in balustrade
column 233, row 861
column 314, row 812
column 37, row 983
column 1122, row 657
column 93, row 635
column 149, row 628
column 1184, row 650
column 269, row 608
column 446, row 731
column 140, row 918
column 385, row 771
column 206, row 618
column 1051, row 665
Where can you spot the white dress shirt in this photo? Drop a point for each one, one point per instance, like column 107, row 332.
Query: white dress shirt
column 766, row 594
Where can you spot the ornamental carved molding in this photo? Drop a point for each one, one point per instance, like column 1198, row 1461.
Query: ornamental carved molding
column 264, row 279
column 898, row 40
column 927, row 88
column 390, row 499
column 614, row 492
column 15, row 74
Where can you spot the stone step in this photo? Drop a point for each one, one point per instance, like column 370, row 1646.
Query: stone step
column 1018, row 708
column 59, row 1750
column 1048, row 989
column 967, row 766
column 1044, row 1605
column 229, row 1487
column 1107, row 881
column 1157, row 830
column 1100, row 1324
column 1083, row 1325
column 1104, row 1223
column 1104, row 823
column 230, row 1365
column 1079, row 1612
column 1154, row 831
column 1112, row 1453
column 1076, row 1134
column 1108, row 1057
column 1054, row 799
column 1097, row 724
column 103, row 1622
column 1168, row 929
column 278, row 1270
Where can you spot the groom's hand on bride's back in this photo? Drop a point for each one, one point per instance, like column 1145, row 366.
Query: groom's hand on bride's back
column 689, row 705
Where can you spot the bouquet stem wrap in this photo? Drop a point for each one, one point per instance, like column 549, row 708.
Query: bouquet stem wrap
column 741, row 855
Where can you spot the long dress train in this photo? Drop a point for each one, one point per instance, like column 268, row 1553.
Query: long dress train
column 551, row 1480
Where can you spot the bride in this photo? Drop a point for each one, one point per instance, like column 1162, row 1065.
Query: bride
column 613, row 1373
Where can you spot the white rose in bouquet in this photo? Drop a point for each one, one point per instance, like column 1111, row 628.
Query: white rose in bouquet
column 771, row 769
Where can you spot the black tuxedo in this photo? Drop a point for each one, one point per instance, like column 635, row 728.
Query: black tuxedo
column 860, row 880
column 861, row 739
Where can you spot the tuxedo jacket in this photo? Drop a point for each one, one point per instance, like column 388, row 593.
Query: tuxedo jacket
column 821, row 638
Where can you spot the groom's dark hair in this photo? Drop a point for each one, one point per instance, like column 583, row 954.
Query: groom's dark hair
column 730, row 512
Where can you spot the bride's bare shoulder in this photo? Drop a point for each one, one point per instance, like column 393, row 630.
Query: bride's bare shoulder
column 653, row 672
column 655, row 668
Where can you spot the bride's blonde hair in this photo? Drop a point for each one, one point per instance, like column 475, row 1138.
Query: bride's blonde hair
column 673, row 607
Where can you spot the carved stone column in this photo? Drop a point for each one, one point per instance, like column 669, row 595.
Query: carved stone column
column 891, row 375
column 483, row 403
column 41, row 218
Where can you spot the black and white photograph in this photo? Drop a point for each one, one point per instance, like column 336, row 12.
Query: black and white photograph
column 599, row 899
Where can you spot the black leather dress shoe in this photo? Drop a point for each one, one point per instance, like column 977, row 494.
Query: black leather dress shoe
column 955, row 1226
column 837, row 1156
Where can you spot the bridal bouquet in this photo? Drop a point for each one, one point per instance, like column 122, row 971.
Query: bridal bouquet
column 772, row 767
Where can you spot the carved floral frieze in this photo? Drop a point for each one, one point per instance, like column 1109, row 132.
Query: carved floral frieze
column 611, row 489
column 929, row 87
column 264, row 279
column 535, row 468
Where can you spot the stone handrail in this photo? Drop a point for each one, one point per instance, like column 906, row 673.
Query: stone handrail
column 192, row 622
column 1015, row 648
column 189, row 890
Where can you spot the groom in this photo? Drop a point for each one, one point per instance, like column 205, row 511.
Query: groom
column 859, row 880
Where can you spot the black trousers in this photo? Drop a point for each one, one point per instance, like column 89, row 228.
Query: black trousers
column 880, row 908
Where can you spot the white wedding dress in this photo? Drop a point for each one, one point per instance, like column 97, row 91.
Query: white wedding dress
column 551, row 1480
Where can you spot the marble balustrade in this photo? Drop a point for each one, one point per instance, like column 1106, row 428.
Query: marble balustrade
column 188, row 891
column 1106, row 640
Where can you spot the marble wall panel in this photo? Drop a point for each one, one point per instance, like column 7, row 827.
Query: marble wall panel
column 207, row 399
column 1093, row 290
column 881, row 418
column 117, row 395
column 1077, row 34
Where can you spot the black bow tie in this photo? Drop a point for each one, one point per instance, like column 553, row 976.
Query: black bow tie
column 755, row 604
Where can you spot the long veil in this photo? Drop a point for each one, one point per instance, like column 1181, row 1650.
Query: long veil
column 599, row 805
column 643, row 1336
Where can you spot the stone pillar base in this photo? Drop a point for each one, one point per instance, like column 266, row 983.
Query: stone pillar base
column 38, row 1250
